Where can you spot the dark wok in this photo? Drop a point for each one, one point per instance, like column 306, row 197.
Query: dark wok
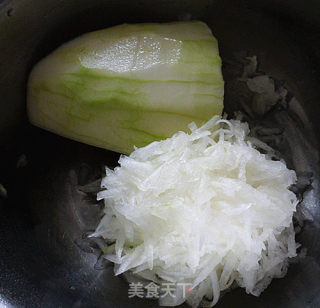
column 45, row 258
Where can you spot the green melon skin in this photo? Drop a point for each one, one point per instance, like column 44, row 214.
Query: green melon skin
column 128, row 85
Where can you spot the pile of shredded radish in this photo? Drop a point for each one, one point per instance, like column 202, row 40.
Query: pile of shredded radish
column 205, row 208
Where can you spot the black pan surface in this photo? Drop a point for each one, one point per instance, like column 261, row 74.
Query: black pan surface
column 46, row 259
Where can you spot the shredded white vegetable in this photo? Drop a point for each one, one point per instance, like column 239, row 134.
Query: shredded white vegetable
column 205, row 208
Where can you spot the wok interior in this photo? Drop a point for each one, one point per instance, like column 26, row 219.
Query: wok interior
column 45, row 257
